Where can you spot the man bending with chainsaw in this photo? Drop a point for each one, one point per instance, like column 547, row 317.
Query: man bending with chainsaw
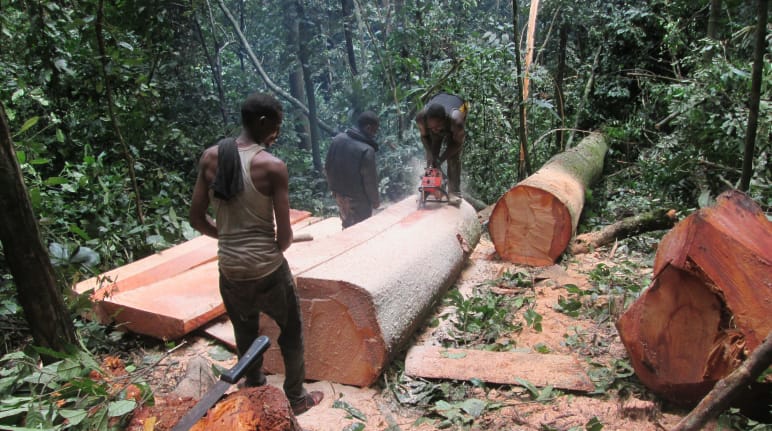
column 248, row 188
column 442, row 121
column 351, row 172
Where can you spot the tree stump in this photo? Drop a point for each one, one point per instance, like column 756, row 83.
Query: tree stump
column 533, row 222
column 709, row 304
column 253, row 409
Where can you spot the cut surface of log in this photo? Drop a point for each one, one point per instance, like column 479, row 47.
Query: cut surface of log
column 171, row 293
column 627, row 227
column 506, row 368
column 720, row 397
column 730, row 246
column 709, row 303
column 253, row 409
column 360, row 306
column 533, row 222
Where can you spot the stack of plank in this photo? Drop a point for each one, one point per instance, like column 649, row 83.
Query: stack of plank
column 363, row 291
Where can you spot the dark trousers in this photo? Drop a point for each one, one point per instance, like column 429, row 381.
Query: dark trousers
column 352, row 211
column 274, row 295
column 454, row 163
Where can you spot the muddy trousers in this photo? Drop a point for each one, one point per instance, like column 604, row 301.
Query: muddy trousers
column 276, row 296
column 352, row 211
column 454, row 164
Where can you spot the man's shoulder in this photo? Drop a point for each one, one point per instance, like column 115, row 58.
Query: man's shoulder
column 209, row 155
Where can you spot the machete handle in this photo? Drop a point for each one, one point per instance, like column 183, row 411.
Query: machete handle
column 258, row 347
column 302, row 237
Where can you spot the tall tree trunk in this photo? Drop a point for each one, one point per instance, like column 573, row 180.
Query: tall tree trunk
column 529, row 44
column 296, row 85
column 560, row 103
column 213, row 61
column 388, row 69
column 753, row 102
column 38, row 294
column 715, row 11
column 304, row 55
column 241, row 29
column 105, row 61
column 523, row 166
column 259, row 67
column 585, row 97
column 348, row 6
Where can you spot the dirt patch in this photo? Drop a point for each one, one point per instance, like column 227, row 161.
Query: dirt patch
column 593, row 341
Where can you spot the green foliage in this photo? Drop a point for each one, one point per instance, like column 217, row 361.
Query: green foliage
column 62, row 395
column 615, row 374
column 481, row 318
column 461, row 413
column 613, row 290
column 351, row 411
column 732, row 419
column 543, row 395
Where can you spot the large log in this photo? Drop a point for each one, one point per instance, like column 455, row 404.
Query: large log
column 709, row 303
column 533, row 222
column 360, row 306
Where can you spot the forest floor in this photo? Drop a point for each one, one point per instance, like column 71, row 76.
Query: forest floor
column 620, row 402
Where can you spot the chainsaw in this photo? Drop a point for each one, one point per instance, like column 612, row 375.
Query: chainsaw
column 433, row 187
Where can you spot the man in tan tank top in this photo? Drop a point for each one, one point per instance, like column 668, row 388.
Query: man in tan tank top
column 248, row 188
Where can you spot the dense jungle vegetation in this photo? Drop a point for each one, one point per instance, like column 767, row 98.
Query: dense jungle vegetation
column 110, row 104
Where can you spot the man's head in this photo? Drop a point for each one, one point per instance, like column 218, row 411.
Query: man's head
column 261, row 116
column 368, row 122
column 435, row 118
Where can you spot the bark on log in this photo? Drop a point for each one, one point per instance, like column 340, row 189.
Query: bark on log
column 720, row 397
column 33, row 275
column 534, row 221
column 254, row 409
column 709, row 304
column 625, row 228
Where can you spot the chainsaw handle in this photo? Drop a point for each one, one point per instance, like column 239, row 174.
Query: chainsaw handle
column 258, row 347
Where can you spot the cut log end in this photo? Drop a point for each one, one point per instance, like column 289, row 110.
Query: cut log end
column 530, row 226
column 263, row 408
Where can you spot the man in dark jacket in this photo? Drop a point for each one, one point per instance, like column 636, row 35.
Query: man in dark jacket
column 351, row 172
column 442, row 120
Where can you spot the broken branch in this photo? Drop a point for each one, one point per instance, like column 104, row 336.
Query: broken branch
column 630, row 226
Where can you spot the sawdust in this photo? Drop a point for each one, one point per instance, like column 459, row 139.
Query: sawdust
column 377, row 409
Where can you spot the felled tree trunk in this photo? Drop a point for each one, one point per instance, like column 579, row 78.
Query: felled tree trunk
column 365, row 290
column 254, row 409
column 533, row 222
column 709, row 304
column 630, row 226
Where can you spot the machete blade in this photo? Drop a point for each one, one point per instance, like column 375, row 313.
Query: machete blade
column 258, row 347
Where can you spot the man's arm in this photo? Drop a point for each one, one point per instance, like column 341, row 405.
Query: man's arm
column 425, row 138
column 199, row 204
column 369, row 174
column 457, row 135
column 280, row 187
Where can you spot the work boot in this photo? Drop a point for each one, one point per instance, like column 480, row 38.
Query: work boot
column 454, row 199
column 310, row 399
